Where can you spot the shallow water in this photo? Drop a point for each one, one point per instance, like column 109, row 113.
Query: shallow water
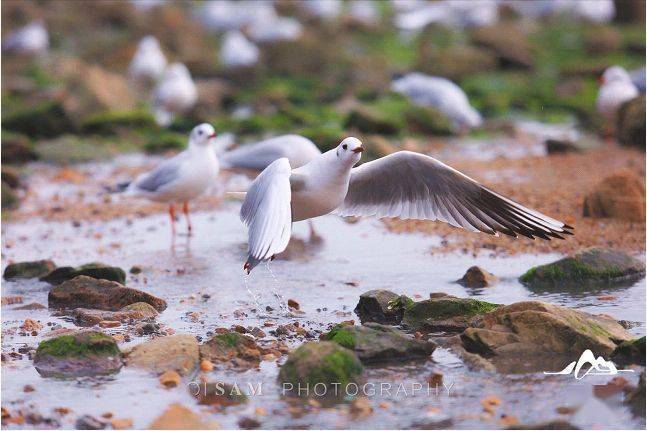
column 326, row 277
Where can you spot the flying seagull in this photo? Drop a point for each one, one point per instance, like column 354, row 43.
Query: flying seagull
column 181, row 178
column 404, row 184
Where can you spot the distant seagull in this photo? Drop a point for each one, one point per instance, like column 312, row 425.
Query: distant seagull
column 181, row 178
column 299, row 150
column 237, row 51
column 175, row 94
column 275, row 28
column 149, row 61
column 594, row 10
column 226, row 15
column 30, row 39
column 322, row 9
column 616, row 89
column 404, row 184
column 441, row 94
column 451, row 13
column 146, row 5
column 364, row 11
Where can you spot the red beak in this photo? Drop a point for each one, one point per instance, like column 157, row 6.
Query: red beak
column 600, row 79
column 358, row 150
column 213, row 135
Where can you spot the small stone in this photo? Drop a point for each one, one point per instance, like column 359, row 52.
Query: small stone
column 28, row 388
column 33, row 269
column 478, row 277
column 31, row 325
column 361, row 407
column 490, row 403
column 87, row 422
column 170, row 378
column 620, row 196
column 12, row 299
column 135, row 270
column 175, row 352
column 258, row 332
column 109, row 323
column 435, row 379
column 248, row 423
column 206, row 365
column 293, row 304
column 121, row 424
column 177, row 416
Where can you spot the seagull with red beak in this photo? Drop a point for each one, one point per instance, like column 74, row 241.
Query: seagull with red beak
column 403, row 185
column 181, row 178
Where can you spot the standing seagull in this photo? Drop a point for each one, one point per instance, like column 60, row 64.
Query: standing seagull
column 175, row 94
column 404, row 184
column 30, row 39
column 298, row 149
column 149, row 61
column 181, row 178
column 616, row 89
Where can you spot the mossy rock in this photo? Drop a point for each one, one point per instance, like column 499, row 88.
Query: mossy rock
column 10, row 199
column 375, row 343
column 381, row 306
column 630, row 352
column 631, row 123
column 532, row 335
column 70, row 149
column 32, row 269
column 48, row 119
column 508, row 42
column 444, row 312
column 325, row 363
column 590, row 267
column 95, row 270
column 232, row 348
column 369, row 119
column 454, row 62
column 427, row 120
column 164, row 141
column 78, row 354
column 112, row 122
column 218, row 394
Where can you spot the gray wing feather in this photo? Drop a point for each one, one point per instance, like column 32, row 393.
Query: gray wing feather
column 165, row 174
column 268, row 213
column 409, row 185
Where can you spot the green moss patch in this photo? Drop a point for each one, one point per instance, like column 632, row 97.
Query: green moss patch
column 342, row 336
column 82, row 344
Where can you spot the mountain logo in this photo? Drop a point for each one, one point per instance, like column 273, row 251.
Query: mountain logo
column 598, row 367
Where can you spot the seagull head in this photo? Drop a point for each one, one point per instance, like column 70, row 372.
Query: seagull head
column 615, row 74
column 202, row 135
column 350, row 150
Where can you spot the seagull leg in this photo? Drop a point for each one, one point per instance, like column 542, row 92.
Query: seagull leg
column 171, row 213
column 185, row 208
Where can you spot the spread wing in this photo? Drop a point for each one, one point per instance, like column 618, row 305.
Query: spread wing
column 409, row 185
column 267, row 213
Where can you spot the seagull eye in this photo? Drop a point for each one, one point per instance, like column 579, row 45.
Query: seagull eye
column 199, row 132
column 345, row 147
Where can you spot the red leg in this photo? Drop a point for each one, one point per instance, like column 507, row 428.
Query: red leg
column 171, row 213
column 185, row 208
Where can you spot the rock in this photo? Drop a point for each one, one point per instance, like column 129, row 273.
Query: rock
column 588, row 267
column 232, row 347
column 556, row 424
column 170, row 378
column 16, row 148
column 444, row 312
column 46, row 120
column 322, row 362
column 247, row 423
column 31, row 306
column 87, row 422
column 32, row 269
column 176, row 416
column 630, row 123
column 218, row 394
column 375, row 343
column 478, row 277
column 560, row 146
column 11, row 177
column 87, row 292
column 381, row 306
column 601, row 39
column 10, row 199
column 78, row 354
column 508, row 43
column 527, row 333
column 635, row 397
column 180, row 353
column 455, row 62
column 621, row 196
column 136, row 311
column 94, row 270
column 630, row 352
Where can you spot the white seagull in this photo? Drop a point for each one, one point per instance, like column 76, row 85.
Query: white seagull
column 616, row 89
column 181, row 178
column 237, row 51
column 299, row 150
column 404, row 184
column 441, row 94
column 175, row 94
column 149, row 61
column 30, row 39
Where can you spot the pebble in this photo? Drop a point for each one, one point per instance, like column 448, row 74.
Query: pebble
column 122, row 424
column 248, row 423
column 109, row 323
column 170, row 378
column 28, row 388
column 206, row 365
